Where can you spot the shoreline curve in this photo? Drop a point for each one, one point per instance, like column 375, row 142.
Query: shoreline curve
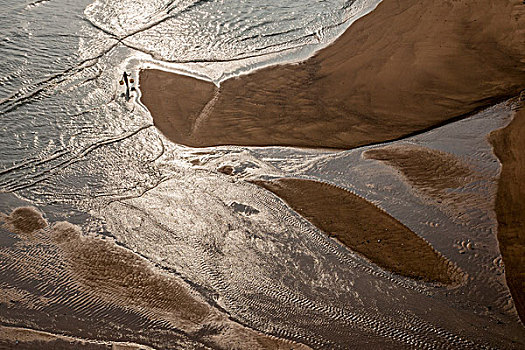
column 401, row 68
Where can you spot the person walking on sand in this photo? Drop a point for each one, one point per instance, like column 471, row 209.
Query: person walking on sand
column 125, row 80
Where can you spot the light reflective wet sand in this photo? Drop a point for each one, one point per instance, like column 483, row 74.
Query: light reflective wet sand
column 96, row 278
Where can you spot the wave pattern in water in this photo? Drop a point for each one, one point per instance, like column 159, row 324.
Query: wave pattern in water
column 216, row 31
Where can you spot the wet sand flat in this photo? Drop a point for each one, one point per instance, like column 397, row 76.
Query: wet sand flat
column 509, row 144
column 25, row 338
column 104, row 273
column 364, row 228
column 428, row 170
column 436, row 176
column 404, row 67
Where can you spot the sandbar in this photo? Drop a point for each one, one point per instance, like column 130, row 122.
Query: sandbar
column 365, row 228
column 509, row 144
column 405, row 67
column 430, row 171
column 436, row 176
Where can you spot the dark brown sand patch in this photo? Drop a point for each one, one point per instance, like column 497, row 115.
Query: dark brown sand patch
column 430, row 171
column 366, row 229
column 24, row 220
column 440, row 177
column 405, row 67
column 509, row 146
column 226, row 169
column 178, row 111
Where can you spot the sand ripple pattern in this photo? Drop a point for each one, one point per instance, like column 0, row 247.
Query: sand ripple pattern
column 273, row 270
column 235, row 259
column 467, row 237
column 49, row 268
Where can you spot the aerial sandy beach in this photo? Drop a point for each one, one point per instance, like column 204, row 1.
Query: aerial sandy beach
column 370, row 196
column 405, row 68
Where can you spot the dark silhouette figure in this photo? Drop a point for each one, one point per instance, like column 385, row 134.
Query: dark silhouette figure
column 125, row 80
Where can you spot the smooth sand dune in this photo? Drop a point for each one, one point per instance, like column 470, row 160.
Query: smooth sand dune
column 406, row 66
column 366, row 229
column 509, row 146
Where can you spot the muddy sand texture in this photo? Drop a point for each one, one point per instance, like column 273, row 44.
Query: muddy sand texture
column 509, row 146
column 123, row 279
column 366, row 229
column 29, row 339
column 428, row 170
column 407, row 66
column 23, row 220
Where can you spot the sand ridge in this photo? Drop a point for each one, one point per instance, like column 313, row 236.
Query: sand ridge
column 404, row 67
column 429, row 170
column 509, row 146
column 366, row 229
column 438, row 177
